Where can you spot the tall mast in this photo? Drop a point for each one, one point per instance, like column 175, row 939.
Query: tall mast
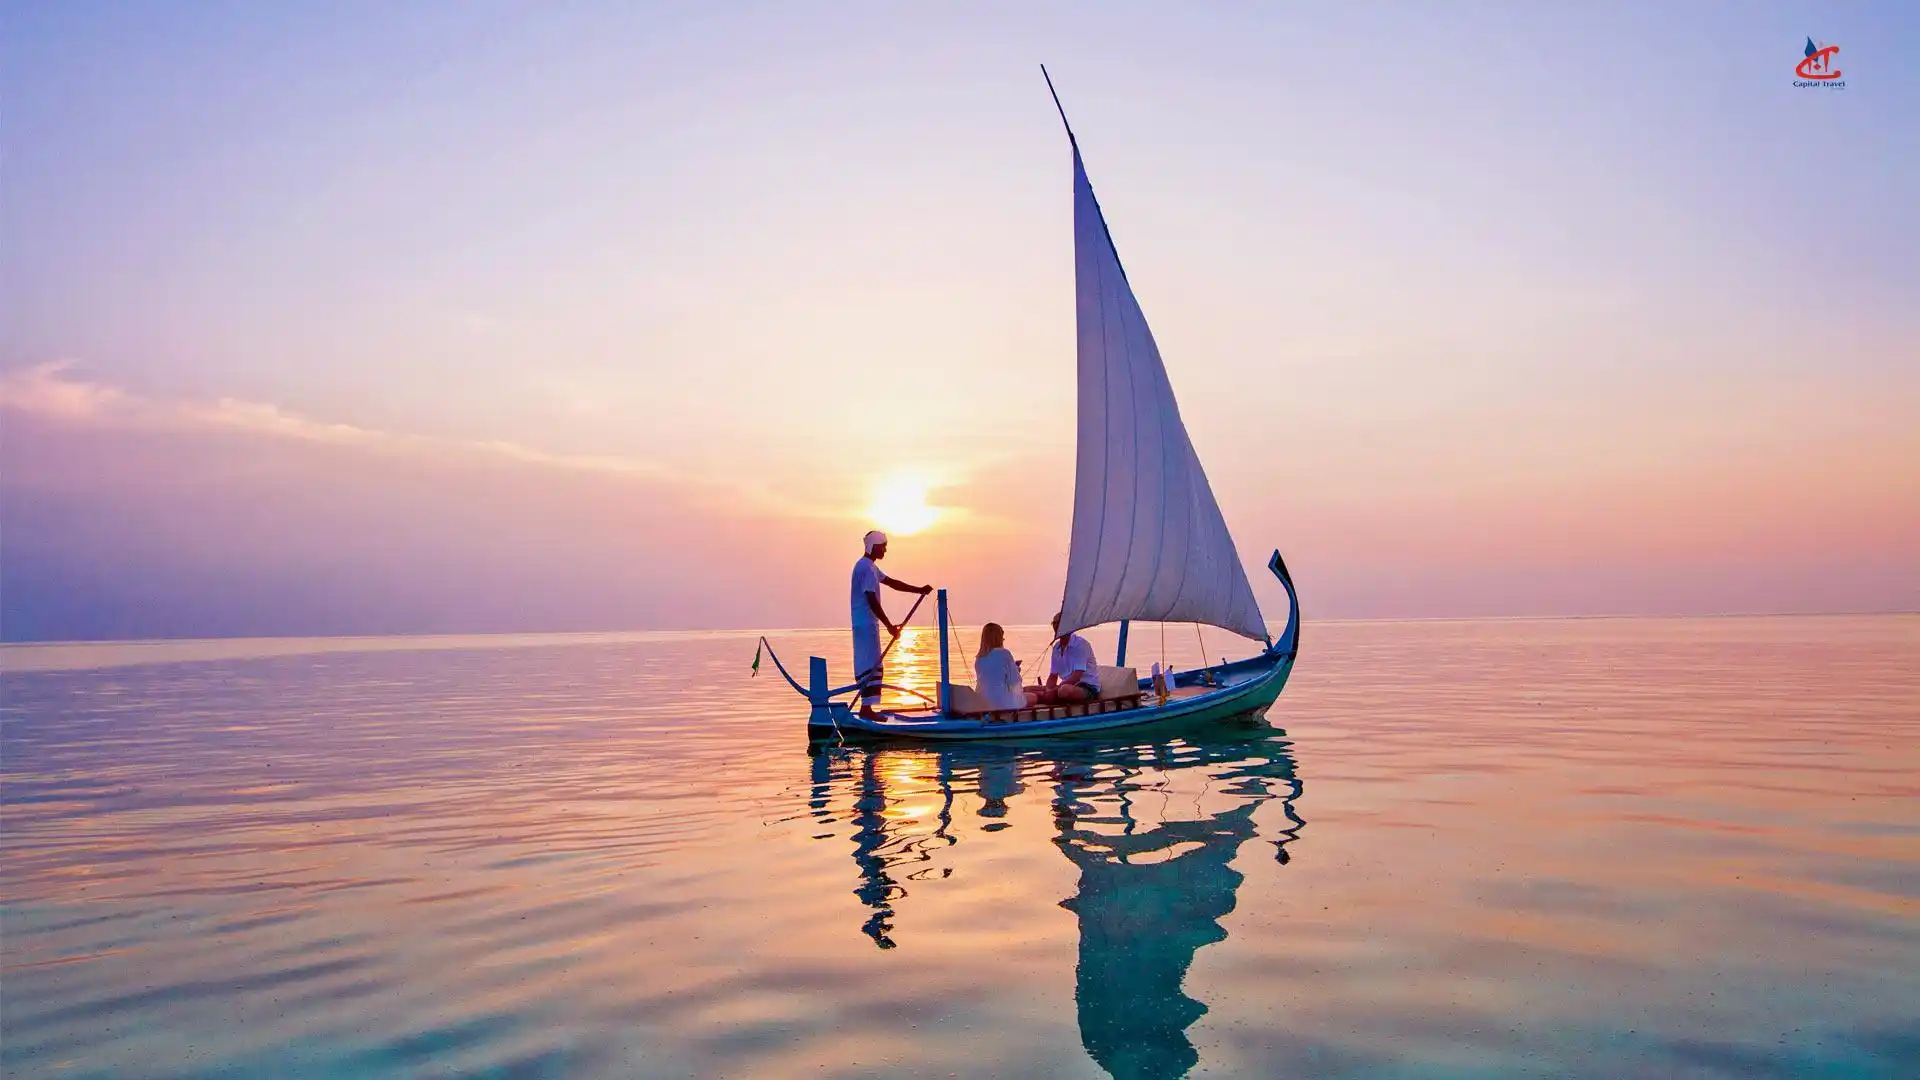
column 1056, row 104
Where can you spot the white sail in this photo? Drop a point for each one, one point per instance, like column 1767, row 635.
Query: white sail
column 1148, row 538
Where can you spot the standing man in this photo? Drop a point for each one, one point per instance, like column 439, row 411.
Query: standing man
column 869, row 617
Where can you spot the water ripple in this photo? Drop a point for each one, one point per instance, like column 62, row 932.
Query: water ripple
column 1591, row 848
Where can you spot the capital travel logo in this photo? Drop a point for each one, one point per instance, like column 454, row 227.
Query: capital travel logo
column 1816, row 70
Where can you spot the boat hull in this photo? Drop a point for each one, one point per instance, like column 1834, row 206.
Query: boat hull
column 1251, row 686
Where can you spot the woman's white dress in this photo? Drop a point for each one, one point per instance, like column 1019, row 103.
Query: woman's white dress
column 997, row 676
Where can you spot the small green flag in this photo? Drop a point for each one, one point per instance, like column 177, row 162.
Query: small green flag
column 756, row 663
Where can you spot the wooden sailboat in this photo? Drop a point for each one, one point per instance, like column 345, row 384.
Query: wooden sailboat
column 1149, row 541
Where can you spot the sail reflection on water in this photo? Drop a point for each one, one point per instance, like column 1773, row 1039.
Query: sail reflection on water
column 1155, row 858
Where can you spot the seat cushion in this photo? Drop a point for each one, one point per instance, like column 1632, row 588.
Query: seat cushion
column 1118, row 682
column 964, row 700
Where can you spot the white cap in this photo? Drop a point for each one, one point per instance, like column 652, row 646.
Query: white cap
column 875, row 539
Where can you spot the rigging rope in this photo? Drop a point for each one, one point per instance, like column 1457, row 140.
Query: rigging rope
column 1041, row 655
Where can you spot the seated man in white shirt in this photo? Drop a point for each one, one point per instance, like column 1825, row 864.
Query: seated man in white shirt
column 1074, row 675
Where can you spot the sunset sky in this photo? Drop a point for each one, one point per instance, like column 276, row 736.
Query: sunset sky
column 386, row 318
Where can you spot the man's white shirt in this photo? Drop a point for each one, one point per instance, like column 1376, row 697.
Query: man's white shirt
column 1076, row 656
column 867, row 578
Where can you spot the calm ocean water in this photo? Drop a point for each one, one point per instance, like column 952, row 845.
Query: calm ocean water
column 1608, row 848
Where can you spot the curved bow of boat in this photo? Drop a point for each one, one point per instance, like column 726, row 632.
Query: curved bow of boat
column 1289, row 643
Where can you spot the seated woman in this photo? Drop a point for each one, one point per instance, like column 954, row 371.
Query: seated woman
column 1074, row 676
column 996, row 674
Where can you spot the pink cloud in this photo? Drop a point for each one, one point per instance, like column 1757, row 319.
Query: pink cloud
column 41, row 391
column 48, row 392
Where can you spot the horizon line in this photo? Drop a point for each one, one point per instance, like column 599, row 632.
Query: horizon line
column 735, row 631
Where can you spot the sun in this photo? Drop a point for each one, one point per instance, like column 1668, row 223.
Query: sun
column 900, row 505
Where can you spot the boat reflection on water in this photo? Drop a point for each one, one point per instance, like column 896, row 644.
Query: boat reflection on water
column 1153, row 827
column 880, row 844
